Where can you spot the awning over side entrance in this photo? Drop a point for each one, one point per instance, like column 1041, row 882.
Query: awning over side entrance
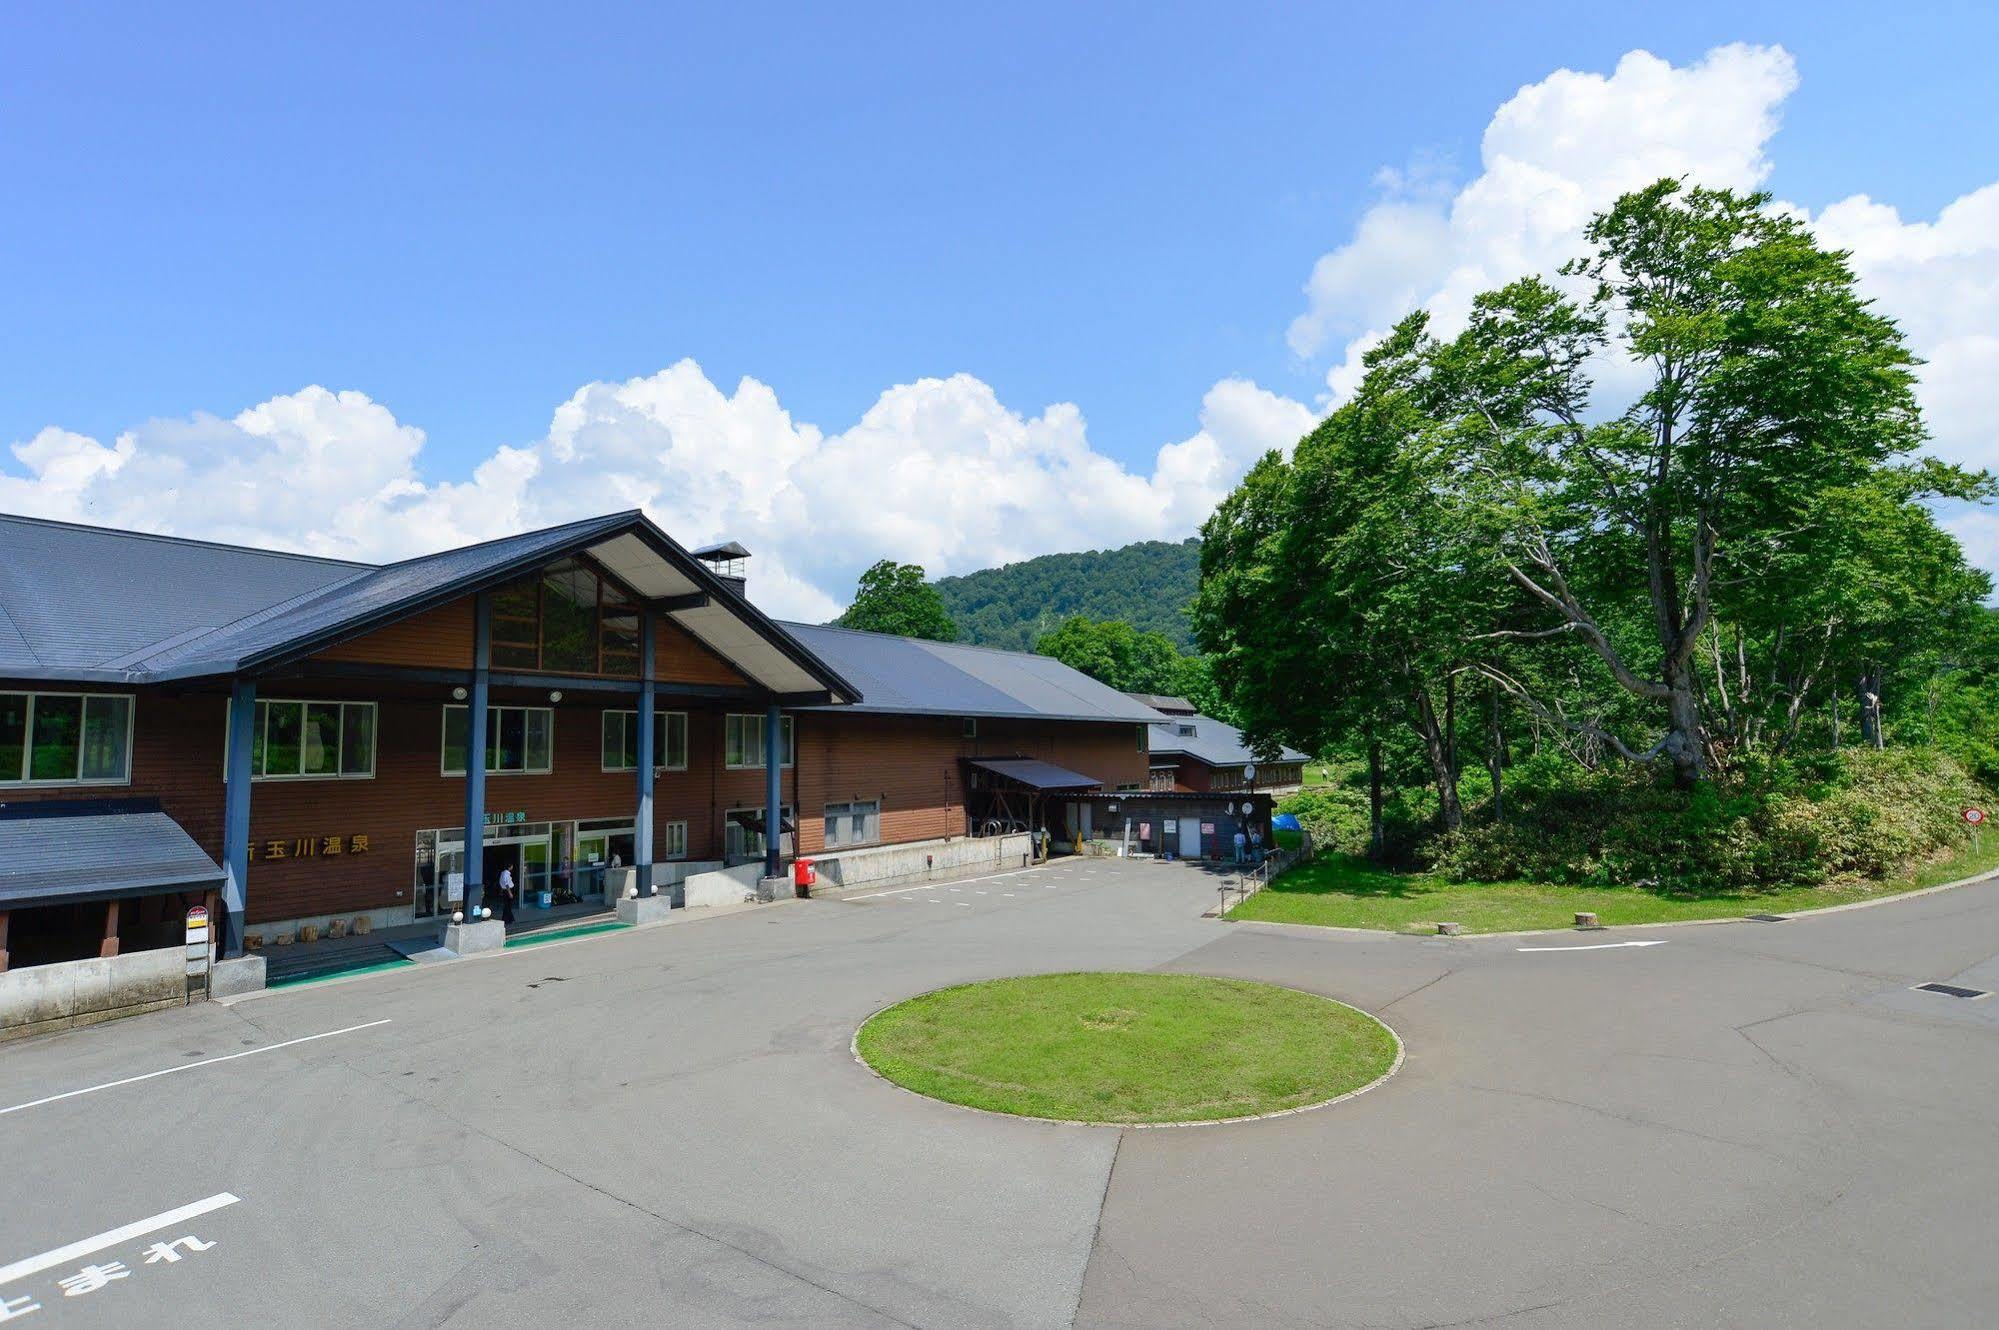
column 1035, row 774
column 61, row 851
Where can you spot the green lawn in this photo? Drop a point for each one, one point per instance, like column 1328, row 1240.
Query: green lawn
column 1341, row 891
column 1126, row 1047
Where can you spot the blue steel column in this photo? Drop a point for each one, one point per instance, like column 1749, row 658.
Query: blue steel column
column 236, row 813
column 475, row 754
column 773, row 793
column 642, row 829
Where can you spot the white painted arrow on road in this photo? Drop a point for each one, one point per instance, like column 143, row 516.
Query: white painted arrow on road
column 1599, row 946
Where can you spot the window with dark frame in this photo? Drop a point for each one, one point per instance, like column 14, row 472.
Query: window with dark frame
column 567, row 618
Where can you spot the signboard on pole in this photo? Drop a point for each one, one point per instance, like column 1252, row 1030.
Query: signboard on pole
column 197, row 948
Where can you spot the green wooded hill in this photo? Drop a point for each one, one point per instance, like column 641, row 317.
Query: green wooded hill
column 1148, row 585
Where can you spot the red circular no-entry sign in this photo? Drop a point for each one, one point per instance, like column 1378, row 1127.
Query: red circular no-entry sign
column 1974, row 815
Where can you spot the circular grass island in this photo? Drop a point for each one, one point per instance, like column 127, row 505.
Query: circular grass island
column 1127, row 1049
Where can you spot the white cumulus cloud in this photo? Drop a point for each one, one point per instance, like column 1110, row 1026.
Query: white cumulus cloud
column 1565, row 147
column 937, row 472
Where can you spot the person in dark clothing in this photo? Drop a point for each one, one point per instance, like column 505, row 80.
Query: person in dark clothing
column 507, row 894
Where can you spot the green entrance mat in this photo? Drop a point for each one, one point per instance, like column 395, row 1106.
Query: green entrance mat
column 321, row 976
column 558, row 934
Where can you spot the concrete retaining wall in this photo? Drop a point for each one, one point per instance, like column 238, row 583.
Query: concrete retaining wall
column 43, row 998
column 885, row 865
column 716, row 885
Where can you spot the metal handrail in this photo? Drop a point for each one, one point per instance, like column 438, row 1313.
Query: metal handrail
column 1274, row 863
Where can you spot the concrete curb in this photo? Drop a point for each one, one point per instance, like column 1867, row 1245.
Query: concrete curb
column 1308, row 929
column 1401, row 1052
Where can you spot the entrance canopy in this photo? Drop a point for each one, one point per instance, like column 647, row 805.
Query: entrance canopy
column 1035, row 774
column 63, row 851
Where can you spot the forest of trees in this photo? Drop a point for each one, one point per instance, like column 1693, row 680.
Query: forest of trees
column 1616, row 579
column 1148, row 585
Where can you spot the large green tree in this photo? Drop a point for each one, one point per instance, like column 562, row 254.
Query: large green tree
column 1111, row 651
column 1754, row 380
column 1347, row 589
column 894, row 598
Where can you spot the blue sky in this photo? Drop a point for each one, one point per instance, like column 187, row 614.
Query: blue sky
column 467, row 214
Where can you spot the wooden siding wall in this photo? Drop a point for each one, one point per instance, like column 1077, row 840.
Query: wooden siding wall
column 682, row 658
column 437, row 639
column 442, row 639
column 910, row 763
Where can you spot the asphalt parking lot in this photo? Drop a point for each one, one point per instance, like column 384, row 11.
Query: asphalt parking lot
column 1751, row 1124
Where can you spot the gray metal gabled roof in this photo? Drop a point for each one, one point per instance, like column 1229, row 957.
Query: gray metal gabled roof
column 60, row 851
column 374, row 596
column 1213, row 742
column 90, row 604
column 75, row 598
column 908, row 676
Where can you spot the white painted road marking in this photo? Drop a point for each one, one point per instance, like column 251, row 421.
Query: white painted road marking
column 112, row 1237
column 188, row 1066
column 896, row 892
column 1599, row 946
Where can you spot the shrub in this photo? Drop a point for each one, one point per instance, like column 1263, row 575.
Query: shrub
column 1854, row 814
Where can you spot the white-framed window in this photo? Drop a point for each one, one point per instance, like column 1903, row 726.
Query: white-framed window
column 621, row 740
column 672, row 840
column 1184, row 730
column 65, row 738
column 743, row 741
column 856, row 823
column 518, row 740
column 302, row 739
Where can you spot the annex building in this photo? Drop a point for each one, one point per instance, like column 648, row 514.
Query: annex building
column 1194, row 753
column 304, row 741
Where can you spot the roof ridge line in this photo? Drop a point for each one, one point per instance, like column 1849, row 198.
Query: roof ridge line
column 600, row 519
column 920, row 641
column 135, row 661
column 167, row 539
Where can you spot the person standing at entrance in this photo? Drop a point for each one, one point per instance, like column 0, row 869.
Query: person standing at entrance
column 1241, row 846
column 506, row 890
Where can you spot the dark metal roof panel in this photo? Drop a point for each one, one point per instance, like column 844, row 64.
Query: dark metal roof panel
column 908, row 676
column 376, row 592
column 79, row 598
column 1213, row 742
column 51, row 853
column 1038, row 774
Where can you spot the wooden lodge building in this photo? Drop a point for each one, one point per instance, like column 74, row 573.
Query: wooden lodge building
column 287, row 736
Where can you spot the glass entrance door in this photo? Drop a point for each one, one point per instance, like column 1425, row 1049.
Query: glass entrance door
column 437, row 863
column 440, row 867
column 536, row 889
column 593, row 857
